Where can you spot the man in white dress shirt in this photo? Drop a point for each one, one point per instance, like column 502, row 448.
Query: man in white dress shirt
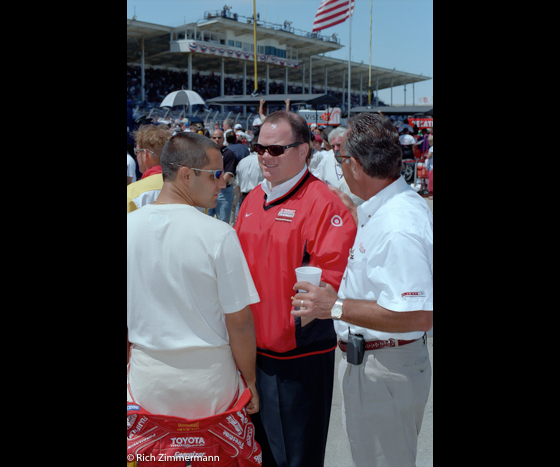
column 385, row 303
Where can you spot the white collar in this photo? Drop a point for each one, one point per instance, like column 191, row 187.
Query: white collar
column 372, row 205
column 277, row 192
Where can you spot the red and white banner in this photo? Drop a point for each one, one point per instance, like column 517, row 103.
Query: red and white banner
column 421, row 123
column 332, row 12
column 195, row 47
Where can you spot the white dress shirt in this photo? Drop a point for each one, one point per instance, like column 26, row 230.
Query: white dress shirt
column 392, row 258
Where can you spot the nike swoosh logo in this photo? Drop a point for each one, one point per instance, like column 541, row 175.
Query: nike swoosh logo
column 247, row 215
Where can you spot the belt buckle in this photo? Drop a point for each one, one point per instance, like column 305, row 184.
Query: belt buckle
column 393, row 343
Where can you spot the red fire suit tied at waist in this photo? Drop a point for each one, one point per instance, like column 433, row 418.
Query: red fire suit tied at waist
column 224, row 440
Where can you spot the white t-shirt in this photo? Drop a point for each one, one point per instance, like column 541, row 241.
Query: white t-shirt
column 407, row 140
column 317, row 159
column 249, row 173
column 393, row 261
column 130, row 167
column 185, row 270
column 430, row 161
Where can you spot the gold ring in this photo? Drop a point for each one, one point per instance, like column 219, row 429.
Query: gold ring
column 302, row 304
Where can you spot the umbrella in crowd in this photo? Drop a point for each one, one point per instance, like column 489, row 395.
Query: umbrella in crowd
column 183, row 97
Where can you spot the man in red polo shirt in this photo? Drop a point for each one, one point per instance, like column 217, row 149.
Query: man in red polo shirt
column 292, row 219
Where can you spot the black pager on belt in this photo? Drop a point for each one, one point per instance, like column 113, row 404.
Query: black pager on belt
column 356, row 348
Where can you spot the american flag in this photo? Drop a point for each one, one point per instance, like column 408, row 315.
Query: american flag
column 331, row 13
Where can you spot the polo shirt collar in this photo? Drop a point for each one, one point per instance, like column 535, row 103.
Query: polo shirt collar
column 368, row 209
column 275, row 193
column 156, row 169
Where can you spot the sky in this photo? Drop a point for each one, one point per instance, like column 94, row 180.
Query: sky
column 402, row 31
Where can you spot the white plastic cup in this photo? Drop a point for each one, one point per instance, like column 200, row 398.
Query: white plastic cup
column 309, row 274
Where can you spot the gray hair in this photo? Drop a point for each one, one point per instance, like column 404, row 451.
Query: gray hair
column 337, row 133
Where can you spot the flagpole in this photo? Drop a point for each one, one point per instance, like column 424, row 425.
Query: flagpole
column 350, row 59
column 370, row 44
column 255, row 92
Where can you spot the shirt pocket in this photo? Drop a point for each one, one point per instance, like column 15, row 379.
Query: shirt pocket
column 355, row 278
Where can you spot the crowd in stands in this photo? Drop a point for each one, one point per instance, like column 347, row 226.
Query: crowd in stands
column 160, row 83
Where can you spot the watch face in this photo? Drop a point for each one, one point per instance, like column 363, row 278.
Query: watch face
column 337, row 311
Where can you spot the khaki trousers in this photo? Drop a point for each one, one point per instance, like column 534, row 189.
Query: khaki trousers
column 383, row 404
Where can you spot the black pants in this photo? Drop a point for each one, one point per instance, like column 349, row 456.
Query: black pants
column 295, row 402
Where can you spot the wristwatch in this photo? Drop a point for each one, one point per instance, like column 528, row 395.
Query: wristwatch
column 336, row 312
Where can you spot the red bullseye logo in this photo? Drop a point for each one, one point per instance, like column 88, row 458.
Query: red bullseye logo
column 337, row 221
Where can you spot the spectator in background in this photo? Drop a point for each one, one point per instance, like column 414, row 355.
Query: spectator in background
column 239, row 149
column 407, row 141
column 330, row 169
column 430, row 164
column 424, row 146
column 263, row 109
column 130, row 169
column 318, row 152
column 225, row 200
column 150, row 141
column 249, row 173
column 227, row 125
column 242, row 136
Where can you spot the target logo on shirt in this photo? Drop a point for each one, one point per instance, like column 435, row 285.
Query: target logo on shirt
column 337, row 221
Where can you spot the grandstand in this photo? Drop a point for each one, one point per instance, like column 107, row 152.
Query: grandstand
column 215, row 57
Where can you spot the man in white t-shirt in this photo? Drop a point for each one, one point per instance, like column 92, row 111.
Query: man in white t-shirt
column 189, row 324
column 384, row 305
column 249, row 174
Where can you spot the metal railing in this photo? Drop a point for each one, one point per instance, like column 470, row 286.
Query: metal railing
column 286, row 27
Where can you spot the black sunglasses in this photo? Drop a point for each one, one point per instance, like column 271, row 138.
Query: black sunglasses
column 274, row 150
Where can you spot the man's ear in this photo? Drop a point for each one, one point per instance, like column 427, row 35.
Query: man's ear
column 304, row 150
column 185, row 174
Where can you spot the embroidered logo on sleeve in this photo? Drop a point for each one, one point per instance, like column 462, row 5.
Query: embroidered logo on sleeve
column 417, row 294
column 286, row 215
column 337, row 221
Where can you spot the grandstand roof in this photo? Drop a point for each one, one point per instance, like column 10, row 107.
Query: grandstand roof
column 157, row 46
column 276, row 99
column 408, row 110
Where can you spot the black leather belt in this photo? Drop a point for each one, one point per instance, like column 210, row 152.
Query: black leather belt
column 376, row 345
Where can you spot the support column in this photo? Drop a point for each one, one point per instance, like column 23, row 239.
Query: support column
column 361, row 89
column 310, row 75
column 222, row 83
column 190, row 72
column 244, row 86
column 143, row 72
